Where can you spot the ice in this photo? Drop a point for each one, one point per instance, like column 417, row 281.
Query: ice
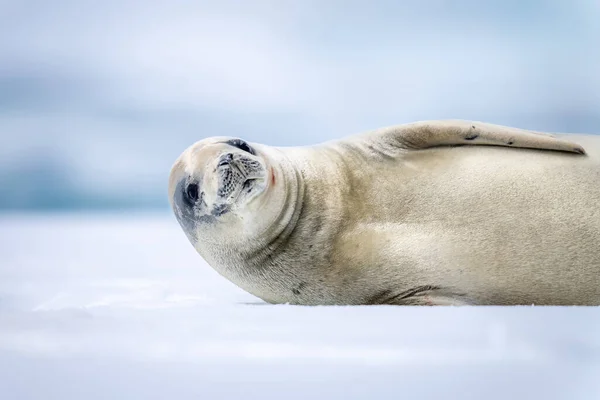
column 116, row 306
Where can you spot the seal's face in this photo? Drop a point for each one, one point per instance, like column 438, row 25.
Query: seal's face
column 215, row 181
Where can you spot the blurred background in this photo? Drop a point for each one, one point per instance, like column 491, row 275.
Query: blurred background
column 97, row 99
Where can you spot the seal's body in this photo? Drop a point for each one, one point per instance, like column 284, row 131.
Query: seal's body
column 432, row 213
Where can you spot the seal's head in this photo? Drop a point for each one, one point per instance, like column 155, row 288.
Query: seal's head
column 222, row 190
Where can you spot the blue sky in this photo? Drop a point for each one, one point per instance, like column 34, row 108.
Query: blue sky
column 97, row 99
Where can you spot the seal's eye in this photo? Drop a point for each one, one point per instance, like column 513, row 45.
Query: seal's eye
column 240, row 144
column 192, row 192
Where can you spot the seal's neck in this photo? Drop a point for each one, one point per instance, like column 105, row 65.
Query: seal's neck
column 284, row 202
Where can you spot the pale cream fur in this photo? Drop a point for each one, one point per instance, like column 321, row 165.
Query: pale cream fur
column 430, row 213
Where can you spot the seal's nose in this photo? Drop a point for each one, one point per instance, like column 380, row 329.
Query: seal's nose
column 225, row 159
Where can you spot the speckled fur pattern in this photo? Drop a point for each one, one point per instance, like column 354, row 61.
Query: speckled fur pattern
column 429, row 213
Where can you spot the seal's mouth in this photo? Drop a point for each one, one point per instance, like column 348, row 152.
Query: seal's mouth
column 250, row 183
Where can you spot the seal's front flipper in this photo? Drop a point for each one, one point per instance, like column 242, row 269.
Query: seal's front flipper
column 428, row 134
column 426, row 295
column 438, row 300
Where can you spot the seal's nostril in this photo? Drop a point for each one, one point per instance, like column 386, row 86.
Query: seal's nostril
column 226, row 159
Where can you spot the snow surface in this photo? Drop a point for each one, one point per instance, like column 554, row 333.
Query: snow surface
column 121, row 307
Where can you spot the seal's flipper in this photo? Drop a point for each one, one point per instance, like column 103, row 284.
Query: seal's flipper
column 426, row 295
column 428, row 134
column 437, row 300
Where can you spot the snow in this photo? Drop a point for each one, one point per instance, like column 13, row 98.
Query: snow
column 115, row 306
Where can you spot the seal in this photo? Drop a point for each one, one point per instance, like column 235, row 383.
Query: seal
column 427, row 213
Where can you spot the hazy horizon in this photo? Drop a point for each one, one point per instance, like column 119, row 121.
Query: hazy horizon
column 98, row 99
